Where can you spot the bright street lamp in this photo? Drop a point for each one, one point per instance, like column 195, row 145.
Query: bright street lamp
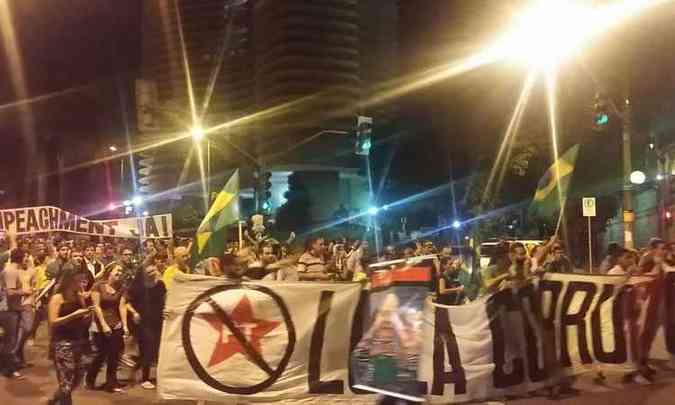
column 547, row 33
column 550, row 31
column 197, row 133
column 637, row 177
column 137, row 200
column 112, row 148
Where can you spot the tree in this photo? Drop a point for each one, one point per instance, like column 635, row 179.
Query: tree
column 294, row 215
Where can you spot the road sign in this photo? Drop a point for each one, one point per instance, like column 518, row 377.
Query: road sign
column 588, row 204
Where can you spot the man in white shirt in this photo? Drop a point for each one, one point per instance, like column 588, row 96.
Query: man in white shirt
column 19, row 280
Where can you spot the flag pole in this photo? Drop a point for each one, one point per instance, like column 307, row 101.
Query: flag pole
column 241, row 235
column 560, row 216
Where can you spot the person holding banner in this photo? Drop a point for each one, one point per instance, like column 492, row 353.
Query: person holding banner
column 311, row 265
column 181, row 256
column 450, row 289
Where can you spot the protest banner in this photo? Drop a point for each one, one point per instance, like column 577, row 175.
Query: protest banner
column 28, row 220
column 291, row 342
column 266, row 341
column 148, row 227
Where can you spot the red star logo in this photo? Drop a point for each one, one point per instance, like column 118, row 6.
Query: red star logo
column 252, row 328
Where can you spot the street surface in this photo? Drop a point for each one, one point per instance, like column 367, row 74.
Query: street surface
column 40, row 383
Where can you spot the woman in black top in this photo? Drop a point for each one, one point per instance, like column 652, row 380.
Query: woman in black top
column 146, row 307
column 110, row 303
column 69, row 320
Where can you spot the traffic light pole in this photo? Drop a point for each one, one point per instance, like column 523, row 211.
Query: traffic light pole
column 628, row 213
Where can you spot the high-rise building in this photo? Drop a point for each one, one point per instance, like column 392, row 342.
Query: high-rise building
column 297, row 66
column 208, row 41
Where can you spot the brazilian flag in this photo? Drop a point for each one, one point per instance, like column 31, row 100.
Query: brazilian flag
column 547, row 200
column 212, row 233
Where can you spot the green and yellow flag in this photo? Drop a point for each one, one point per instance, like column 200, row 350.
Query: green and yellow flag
column 547, row 200
column 211, row 235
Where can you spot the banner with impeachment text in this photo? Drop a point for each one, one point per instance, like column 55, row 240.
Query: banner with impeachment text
column 288, row 342
column 29, row 220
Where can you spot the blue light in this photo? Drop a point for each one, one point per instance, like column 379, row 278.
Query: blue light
column 456, row 224
column 373, row 210
column 602, row 119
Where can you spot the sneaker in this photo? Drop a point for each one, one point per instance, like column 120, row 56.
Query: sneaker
column 148, row 385
column 114, row 390
column 599, row 378
column 640, row 380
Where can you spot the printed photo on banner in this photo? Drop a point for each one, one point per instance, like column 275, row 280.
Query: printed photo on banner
column 386, row 359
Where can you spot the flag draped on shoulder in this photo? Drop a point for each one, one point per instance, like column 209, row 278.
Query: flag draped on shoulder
column 547, row 199
column 212, row 232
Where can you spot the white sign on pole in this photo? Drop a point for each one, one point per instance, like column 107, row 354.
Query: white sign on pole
column 588, row 204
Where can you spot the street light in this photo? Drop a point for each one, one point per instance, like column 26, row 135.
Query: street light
column 547, row 33
column 112, row 148
column 197, row 133
column 137, row 200
column 637, row 177
column 456, row 224
column 373, row 211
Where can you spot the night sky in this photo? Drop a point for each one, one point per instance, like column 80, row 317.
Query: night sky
column 93, row 46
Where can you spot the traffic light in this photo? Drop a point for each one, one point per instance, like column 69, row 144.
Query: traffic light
column 265, row 191
column 364, row 131
column 600, row 113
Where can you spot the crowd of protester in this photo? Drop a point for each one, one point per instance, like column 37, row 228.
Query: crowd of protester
column 98, row 297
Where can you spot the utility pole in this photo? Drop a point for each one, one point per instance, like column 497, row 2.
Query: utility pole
column 628, row 213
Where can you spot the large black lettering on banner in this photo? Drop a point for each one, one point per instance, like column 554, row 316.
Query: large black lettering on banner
column 578, row 320
column 531, row 317
column 444, row 339
column 669, row 292
column 497, row 307
column 360, row 315
column 316, row 386
column 619, row 354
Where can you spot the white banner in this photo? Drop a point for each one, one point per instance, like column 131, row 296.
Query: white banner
column 150, row 227
column 299, row 336
column 265, row 341
column 29, row 220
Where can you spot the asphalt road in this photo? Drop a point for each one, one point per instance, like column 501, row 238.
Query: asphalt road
column 40, row 383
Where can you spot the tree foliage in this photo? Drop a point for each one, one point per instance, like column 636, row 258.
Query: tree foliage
column 294, row 215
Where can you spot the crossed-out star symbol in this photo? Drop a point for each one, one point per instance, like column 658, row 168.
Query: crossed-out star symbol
column 251, row 328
